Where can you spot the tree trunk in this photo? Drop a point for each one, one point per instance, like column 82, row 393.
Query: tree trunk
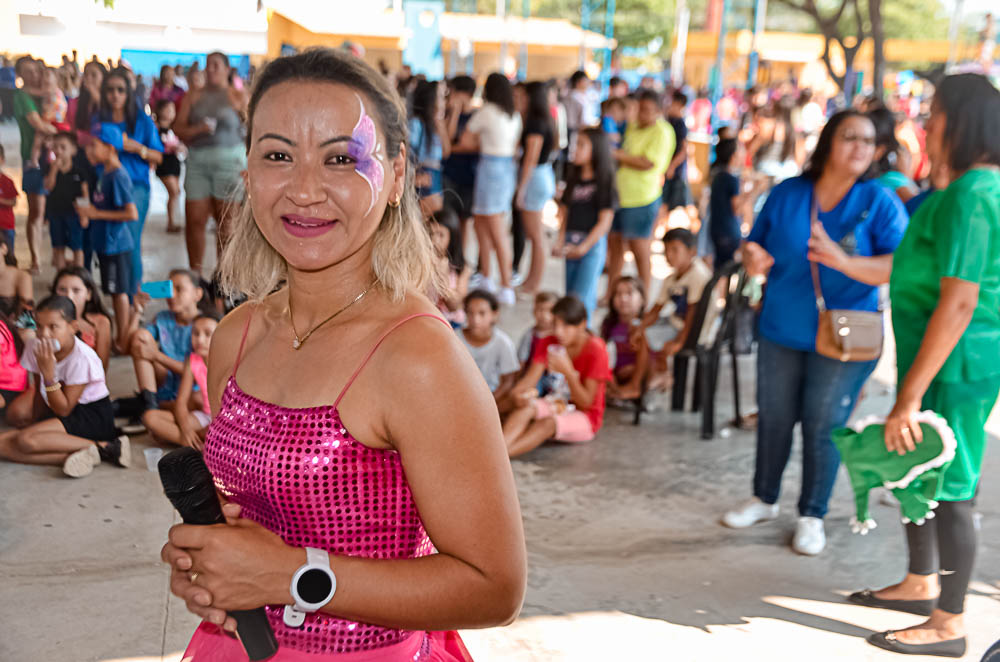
column 878, row 39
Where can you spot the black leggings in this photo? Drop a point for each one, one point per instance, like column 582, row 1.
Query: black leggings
column 946, row 544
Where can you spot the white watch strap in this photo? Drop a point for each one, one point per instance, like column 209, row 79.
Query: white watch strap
column 317, row 557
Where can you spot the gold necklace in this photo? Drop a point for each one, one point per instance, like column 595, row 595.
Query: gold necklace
column 298, row 342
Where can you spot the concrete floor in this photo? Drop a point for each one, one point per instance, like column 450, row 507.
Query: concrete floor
column 627, row 560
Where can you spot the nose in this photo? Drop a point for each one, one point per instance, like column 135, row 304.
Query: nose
column 306, row 187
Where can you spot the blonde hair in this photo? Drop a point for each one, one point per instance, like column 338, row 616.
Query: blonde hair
column 402, row 253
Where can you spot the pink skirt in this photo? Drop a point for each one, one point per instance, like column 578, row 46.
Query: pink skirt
column 211, row 644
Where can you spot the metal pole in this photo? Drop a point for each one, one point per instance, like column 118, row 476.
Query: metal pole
column 759, row 18
column 502, row 15
column 680, row 49
column 522, row 69
column 953, row 35
column 720, row 56
column 609, row 34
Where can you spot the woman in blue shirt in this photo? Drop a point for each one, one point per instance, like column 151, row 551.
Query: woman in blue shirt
column 140, row 147
column 859, row 226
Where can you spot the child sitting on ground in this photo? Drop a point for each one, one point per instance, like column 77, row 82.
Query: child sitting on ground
column 544, row 325
column 186, row 425
column 491, row 348
column 13, row 376
column 444, row 230
column 628, row 299
column 679, row 297
column 70, row 379
column 582, row 360
column 8, row 198
column 113, row 207
column 160, row 349
column 66, row 182
column 93, row 323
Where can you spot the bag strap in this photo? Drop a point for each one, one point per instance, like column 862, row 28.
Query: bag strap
column 813, row 267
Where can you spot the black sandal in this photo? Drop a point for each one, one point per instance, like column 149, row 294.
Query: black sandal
column 887, row 641
column 867, row 598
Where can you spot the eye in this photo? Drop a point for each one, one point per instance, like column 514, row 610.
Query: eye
column 277, row 157
column 340, row 159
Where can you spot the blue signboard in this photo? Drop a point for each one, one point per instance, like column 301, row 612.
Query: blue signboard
column 423, row 48
column 148, row 63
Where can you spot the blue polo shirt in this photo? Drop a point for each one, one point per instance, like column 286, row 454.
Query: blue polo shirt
column 868, row 221
column 113, row 192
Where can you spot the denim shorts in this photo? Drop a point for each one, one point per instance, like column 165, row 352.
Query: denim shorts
column 7, row 236
column 636, row 222
column 33, row 181
column 540, row 189
column 496, row 182
column 215, row 172
column 65, row 231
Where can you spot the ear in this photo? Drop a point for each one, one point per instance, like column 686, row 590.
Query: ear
column 398, row 174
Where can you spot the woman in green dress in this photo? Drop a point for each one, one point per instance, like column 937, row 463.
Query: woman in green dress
column 945, row 293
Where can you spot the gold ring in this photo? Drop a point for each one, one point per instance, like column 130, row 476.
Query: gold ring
column 904, row 430
column 194, row 577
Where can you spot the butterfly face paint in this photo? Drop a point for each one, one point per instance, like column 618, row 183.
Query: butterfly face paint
column 364, row 149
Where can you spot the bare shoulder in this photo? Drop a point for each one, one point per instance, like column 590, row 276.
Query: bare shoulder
column 423, row 350
column 228, row 335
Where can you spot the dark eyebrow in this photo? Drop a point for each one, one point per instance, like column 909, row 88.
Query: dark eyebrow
column 275, row 136
column 331, row 141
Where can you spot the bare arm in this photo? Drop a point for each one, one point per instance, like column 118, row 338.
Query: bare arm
column 182, row 126
column 680, row 154
column 63, row 400
column 604, row 219
column 581, row 393
column 128, row 213
column 40, row 125
column 949, row 321
column 182, row 412
column 8, row 202
column 634, row 162
column 530, row 379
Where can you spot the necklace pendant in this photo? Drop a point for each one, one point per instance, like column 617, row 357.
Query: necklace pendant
column 296, row 344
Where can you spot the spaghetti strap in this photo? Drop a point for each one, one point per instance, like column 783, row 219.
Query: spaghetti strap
column 371, row 352
column 243, row 342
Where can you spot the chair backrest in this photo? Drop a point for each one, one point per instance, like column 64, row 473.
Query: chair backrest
column 736, row 304
column 705, row 304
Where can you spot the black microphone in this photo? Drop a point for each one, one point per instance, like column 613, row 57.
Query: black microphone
column 188, row 484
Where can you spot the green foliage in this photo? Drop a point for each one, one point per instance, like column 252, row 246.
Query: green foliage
column 110, row 4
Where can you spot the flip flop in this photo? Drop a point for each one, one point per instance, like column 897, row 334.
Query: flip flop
column 887, row 641
column 867, row 598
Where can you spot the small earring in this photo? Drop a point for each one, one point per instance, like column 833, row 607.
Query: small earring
column 395, row 203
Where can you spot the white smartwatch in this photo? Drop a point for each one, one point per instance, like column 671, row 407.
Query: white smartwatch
column 313, row 585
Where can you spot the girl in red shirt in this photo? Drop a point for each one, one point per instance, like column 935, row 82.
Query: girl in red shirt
column 582, row 359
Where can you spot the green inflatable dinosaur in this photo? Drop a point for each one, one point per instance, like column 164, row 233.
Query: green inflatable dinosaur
column 913, row 478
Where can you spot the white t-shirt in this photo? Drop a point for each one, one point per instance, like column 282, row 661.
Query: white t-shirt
column 81, row 366
column 498, row 132
column 494, row 359
column 681, row 292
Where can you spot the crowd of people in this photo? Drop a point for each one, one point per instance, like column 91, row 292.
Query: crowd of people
column 824, row 204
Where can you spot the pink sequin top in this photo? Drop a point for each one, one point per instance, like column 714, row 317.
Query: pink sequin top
column 301, row 474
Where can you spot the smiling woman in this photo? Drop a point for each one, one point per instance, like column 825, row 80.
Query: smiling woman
column 385, row 470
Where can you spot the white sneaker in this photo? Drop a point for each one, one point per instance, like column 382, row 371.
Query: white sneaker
column 82, row 462
column 507, row 297
column 749, row 513
column 517, row 279
column 810, row 538
column 476, row 281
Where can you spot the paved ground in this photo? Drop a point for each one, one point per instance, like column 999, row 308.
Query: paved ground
column 627, row 560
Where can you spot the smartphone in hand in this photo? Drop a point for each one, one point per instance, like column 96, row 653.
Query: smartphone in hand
column 158, row 289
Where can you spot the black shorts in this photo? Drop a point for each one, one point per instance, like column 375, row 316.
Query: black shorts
column 676, row 193
column 170, row 167
column 116, row 273
column 8, row 397
column 94, row 421
column 458, row 197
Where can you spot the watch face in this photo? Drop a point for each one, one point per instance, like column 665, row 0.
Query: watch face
column 314, row 586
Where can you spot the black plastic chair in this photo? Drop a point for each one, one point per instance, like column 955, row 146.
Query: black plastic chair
column 707, row 356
